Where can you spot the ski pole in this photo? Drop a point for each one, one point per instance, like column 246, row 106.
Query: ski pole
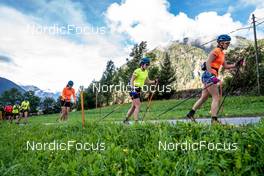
column 110, row 113
column 227, row 92
column 149, row 102
column 178, row 104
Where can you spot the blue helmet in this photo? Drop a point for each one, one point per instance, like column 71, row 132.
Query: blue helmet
column 145, row 60
column 70, row 83
column 223, row 37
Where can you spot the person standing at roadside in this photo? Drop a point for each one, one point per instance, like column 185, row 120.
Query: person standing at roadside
column 66, row 95
column 24, row 109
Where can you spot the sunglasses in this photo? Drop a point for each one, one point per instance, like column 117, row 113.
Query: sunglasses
column 227, row 43
column 147, row 65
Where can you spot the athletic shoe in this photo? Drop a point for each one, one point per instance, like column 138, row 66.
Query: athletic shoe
column 190, row 116
column 215, row 121
column 126, row 122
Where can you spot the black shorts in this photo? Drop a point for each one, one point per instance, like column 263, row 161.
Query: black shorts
column 137, row 95
column 8, row 113
column 24, row 110
column 65, row 103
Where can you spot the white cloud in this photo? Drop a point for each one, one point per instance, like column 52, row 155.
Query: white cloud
column 259, row 14
column 257, row 3
column 150, row 20
column 50, row 61
column 240, row 5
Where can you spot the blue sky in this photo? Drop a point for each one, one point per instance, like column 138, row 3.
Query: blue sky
column 29, row 54
column 94, row 10
column 193, row 8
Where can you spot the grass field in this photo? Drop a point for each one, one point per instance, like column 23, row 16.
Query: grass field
column 105, row 148
column 234, row 106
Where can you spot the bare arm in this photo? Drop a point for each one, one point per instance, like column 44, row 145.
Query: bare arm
column 63, row 94
column 228, row 66
column 210, row 59
column 74, row 95
column 148, row 81
column 132, row 80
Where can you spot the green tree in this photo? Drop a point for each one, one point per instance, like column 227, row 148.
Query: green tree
column 153, row 69
column 11, row 96
column 153, row 72
column 88, row 97
column 246, row 81
column 136, row 54
column 107, row 80
column 151, row 55
column 48, row 105
column 57, row 106
column 167, row 77
column 121, row 75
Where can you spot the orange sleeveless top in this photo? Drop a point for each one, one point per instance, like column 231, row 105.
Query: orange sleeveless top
column 67, row 93
column 218, row 61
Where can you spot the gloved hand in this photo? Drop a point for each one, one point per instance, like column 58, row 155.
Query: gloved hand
column 239, row 63
column 215, row 80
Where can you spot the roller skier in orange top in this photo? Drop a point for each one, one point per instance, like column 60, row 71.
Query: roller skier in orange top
column 66, row 95
column 215, row 61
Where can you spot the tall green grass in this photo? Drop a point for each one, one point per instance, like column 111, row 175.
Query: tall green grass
column 134, row 149
column 131, row 150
